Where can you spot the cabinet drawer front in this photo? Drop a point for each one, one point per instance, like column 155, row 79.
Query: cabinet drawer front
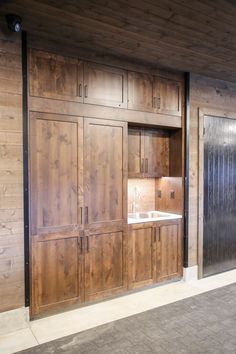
column 105, row 85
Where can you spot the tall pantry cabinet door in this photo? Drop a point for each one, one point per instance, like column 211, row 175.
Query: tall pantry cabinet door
column 105, row 85
column 55, row 218
column 105, row 192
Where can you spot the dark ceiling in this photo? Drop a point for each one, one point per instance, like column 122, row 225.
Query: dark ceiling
column 197, row 36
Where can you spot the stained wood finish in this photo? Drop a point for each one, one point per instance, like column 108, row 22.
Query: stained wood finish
column 169, row 252
column 105, row 166
column 11, row 174
column 56, row 273
column 105, row 85
column 55, row 222
column 164, row 32
column 140, row 92
column 141, row 255
column 105, row 264
column 219, row 242
column 156, row 152
column 148, row 153
column 56, row 76
column 167, row 96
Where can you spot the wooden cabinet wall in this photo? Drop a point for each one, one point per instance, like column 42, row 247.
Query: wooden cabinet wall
column 70, row 79
column 155, row 252
column 154, row 94
column 80, row 247
column 78, row 209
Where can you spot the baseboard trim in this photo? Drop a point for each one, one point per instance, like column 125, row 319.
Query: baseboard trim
column 190, row 273
column 14, row 320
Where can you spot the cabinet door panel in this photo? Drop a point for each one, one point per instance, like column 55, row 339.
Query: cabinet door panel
column 167, row 96
column 105, row 85
column 54, row 172
column 56, row 278
column 105, row 166
column 54, row 192
column 140, row 91
column 135, row 153
column 169, row 252
column 156, row 151
column 104, row 264
column 141, row 256
column 55, row 76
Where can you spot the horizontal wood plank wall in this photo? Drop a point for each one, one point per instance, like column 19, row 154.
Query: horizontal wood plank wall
column 11, row 174
column 204, row 93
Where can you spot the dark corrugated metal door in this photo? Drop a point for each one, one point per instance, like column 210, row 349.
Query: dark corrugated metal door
column 219, row 229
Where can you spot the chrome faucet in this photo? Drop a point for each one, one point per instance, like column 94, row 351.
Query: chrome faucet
column 137, row 195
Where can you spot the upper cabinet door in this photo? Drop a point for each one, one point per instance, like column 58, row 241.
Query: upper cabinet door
column 105, row 85
column 105, row 169
column 156, row 152
column 55, row 76
column 135, row 152
column 140, row 92
column 167, row 96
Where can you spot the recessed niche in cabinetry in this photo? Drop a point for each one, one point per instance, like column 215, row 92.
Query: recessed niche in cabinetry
column 154, row 152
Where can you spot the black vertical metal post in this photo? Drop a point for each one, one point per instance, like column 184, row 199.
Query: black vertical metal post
column 186, row 176
column 25, row 164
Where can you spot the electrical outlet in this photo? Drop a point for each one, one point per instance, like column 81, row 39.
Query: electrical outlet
column 159, row 194
column 172, row 194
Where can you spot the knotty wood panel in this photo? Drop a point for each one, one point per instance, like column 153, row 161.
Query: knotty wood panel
column 219, row 224
column 55, row 76
column 169, row 252
column 141, row 256
column 140, row 92
column 156, row 152
column 164, row 202
column 104, row 264
column 56, row 272
column 11, row 173
column 105, row 166
column 135, row 152
column 167, row 94
column 105, row 85
column 54, row 172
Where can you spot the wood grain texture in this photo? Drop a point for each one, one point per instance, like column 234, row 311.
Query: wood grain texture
column 141, row 194
column 164, row 202
column 11, row 174
column 164, row 33
column 169, row 252
column 211, row 95
column 141, row 256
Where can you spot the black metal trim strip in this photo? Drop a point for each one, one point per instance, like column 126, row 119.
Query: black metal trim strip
column 186, row 174
column 25, row 164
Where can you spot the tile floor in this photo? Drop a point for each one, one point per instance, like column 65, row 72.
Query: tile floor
column 71, row 322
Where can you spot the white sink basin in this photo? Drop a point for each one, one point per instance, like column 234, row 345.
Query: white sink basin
column 153, row 215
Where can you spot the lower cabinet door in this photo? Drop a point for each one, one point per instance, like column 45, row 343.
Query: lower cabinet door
column 56, row 273
column 105, row 264
column 169, row 252
column 141, row 255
